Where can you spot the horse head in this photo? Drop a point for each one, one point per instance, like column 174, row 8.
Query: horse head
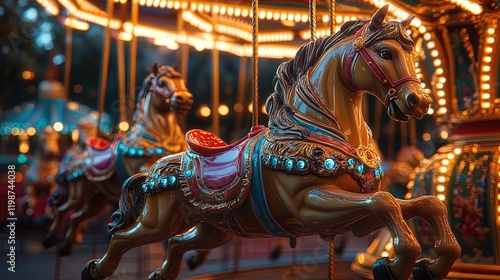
column 381, row 61
column 168, row 90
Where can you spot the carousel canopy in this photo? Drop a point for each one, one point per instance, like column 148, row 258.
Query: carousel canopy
column 51, row 109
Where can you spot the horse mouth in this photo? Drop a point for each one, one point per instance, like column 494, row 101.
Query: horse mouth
column 182, row 110
column 396, row 113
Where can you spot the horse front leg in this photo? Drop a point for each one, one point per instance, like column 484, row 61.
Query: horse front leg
column 434, row 212
column 92, row 208
column 446, row 246
column 74, row 201
column 334, row 209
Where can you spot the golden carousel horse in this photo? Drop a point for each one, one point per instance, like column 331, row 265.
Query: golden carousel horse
column 41, row 172
column 311, row 172
column 94, row 177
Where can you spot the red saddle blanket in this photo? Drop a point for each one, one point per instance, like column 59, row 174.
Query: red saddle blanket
column 100, row 159
column 217, row 171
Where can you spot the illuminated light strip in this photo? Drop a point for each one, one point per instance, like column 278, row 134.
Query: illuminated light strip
column 399, row 13
column 485, row 96
column 439, row 78
column 49, row 6
column 469, row 6
column 76, row 24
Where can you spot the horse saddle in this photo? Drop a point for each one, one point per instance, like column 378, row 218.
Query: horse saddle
column 99, row 159
column 216, row 172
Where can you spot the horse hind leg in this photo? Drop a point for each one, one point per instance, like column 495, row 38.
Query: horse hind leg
column 434, row 212
column 159, row 220
column 202, row 238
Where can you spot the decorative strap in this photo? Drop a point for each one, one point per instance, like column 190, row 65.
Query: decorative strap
column 359, row 47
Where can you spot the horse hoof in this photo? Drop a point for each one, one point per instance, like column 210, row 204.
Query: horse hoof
column 381, row 270
column 155, row 275
column 48, row 241
column 422, row 270
column 90, row 272
column 276, row 253
column 64, row 250
column 193, row 262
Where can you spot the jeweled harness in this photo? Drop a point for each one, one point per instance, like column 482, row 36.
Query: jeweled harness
column 358, row 47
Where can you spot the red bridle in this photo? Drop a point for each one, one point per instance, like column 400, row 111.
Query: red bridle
column 358, row 47
column 166, row 95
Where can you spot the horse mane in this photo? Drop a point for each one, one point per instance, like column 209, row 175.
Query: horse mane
column 291, row 76
column 163, row 70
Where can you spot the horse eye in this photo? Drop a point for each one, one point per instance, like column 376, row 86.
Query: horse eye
column 385, row 54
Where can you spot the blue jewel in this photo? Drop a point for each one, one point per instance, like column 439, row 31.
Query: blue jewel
column 124, row 149
column 144, row 187
column 267, row 158
column 140, row 152
column 361, row 168
column 275, row 162
column 289, row 164
column 151, row 183
column 132, row 152
column 164, row 181
column 188, row 173
column 159, row 150
column 301, row 164
column 377, row 173
column 151, row 151
column 351, row 162
column 172, row 179
column 74, row 174
column 329, row 164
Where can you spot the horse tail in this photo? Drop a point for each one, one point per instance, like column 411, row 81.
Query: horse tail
column 131, row 202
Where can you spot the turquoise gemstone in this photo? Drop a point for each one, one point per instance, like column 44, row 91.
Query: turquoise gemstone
column 361, row 168
column 188, row 173
column 164, row 181
column 351, row 162
column 301, row 164
column 172, row 179
column 329, row 164
column 289, row 164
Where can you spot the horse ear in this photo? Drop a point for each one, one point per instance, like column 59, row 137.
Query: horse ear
column 406, row 22
column 378, row 18
column 155, row 69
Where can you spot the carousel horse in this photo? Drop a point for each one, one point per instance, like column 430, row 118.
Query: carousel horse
column 40, row 175
column 312, row 171
column 93, row 177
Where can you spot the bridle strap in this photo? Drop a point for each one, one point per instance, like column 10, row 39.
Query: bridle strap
column 167, row 95
column 358, row 47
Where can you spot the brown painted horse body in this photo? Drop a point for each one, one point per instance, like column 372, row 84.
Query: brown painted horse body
column 155, row 133
column 313, row 171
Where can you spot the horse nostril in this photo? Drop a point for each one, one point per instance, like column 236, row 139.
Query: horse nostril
column 412, row 99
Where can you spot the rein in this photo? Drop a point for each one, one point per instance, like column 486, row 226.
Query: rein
column 359, row 48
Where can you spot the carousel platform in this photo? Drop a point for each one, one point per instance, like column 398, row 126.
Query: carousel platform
column 240, row 259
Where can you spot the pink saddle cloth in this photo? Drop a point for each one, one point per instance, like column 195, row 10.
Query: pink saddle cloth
column 100, row 158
